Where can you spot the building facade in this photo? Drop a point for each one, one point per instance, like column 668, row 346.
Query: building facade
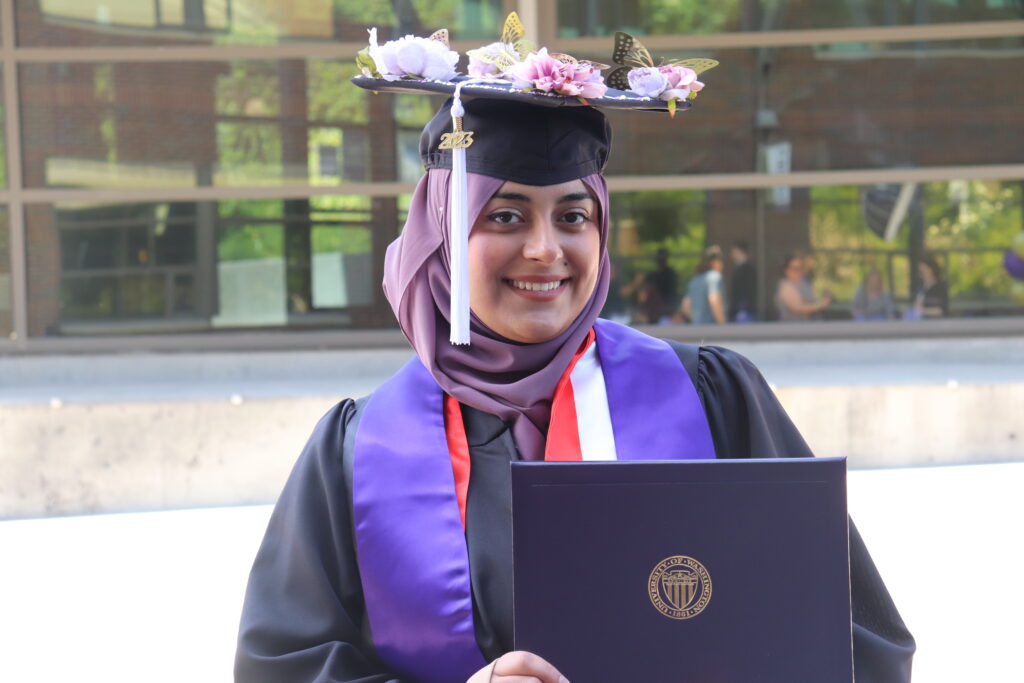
column 179, row 172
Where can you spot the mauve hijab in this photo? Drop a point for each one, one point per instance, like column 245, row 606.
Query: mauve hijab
column 512, row 380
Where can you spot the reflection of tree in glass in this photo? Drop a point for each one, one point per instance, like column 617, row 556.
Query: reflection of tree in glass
column 465, row 19
column 414, row 111
column 972, row 221
column 3, row 151
column 248, row 151
column 647, row 17
column 249, row 88
column 673, row 220
column 844, row 248
column 970, row 215
column 331, row 96
column 341, row 239
column 250, row 229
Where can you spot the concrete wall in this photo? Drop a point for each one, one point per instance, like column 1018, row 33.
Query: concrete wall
column 141, row 455
column 86, row 434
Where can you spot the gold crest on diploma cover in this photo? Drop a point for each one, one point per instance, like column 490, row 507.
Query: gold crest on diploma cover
column 679, row 587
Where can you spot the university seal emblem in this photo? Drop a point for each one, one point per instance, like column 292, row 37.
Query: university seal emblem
column 679, row 587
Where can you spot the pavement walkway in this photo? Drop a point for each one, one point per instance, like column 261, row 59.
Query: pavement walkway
column 155, row 596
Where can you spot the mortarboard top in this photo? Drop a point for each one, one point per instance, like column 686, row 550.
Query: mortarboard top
column 522, row 142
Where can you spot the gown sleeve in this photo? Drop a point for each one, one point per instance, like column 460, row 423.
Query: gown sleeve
column 747, row 421
column 303, row 611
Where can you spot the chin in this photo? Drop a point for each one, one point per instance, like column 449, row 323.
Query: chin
column 534, row 334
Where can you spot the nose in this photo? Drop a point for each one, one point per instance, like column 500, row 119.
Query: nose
column 542, row 242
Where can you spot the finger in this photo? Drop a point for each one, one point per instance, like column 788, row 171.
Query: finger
column 527, row 664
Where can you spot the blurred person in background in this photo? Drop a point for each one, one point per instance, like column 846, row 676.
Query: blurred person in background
column 932, row 300
column 655, row 293
column 704, row 303
column 872, row 301
column 793, row 296
column 616, row 307
column 743, row 285
column 666, row 281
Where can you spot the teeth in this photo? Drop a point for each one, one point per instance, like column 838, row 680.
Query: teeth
column 536, row 286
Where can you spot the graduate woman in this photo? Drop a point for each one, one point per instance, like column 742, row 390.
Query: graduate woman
column 389, row 556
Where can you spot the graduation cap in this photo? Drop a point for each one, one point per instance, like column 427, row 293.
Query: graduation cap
column 524, row 115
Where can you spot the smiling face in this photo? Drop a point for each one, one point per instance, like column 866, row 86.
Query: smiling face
column 534, row 255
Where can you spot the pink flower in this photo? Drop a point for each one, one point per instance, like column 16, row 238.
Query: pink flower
column 540, row 71
column 681, row 82
column 647, row 81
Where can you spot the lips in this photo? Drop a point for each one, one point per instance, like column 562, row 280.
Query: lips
column 536, row 286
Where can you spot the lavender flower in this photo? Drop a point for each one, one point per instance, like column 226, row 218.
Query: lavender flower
column 413, row 57
column 647, row 81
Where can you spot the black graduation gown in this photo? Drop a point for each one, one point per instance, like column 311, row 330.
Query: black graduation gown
column 303, row 616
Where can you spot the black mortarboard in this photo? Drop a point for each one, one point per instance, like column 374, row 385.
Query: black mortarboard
column 522, row 142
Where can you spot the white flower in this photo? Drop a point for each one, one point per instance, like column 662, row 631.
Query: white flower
column 415, row 57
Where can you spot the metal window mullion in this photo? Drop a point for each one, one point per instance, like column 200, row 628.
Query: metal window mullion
column 537, row 22
column 618, row 183
column 15, row 206
column 807, row 37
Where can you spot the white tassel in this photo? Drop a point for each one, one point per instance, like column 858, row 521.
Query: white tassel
column 458, row 218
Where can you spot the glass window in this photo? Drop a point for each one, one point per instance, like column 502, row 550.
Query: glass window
column 835, row 108
column 122, row 268
column 241, row 123
column 6, row 300
column 578, row 18
column 848, row 252
column 87, row 23
column 245, row 123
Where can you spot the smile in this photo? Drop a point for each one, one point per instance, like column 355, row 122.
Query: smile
column 536, row 286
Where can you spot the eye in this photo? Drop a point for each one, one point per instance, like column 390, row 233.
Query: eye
column 577, row 217
column 504, row 217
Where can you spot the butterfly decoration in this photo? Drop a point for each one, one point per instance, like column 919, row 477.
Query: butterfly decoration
column 629, row 53
column 366, row 64
column 569, row 59
column 513, row 33
column 512, row 48
column 441, row 36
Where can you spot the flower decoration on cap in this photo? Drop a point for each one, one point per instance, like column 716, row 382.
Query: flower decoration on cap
column 492, row 62
column 513, row 59
column 673, row 81
column 512, row 69
column 409, row 57
column 559, row 74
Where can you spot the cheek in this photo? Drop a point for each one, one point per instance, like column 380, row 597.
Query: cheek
column 589, row 254
column 485, row 259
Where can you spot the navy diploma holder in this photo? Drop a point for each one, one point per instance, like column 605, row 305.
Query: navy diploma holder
column 711, row 571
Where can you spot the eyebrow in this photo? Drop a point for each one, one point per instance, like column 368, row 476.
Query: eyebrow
column 517, row 197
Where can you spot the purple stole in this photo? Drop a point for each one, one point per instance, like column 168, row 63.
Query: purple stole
column 410, row 543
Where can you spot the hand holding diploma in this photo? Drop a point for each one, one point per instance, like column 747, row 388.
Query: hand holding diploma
column 518, row 667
